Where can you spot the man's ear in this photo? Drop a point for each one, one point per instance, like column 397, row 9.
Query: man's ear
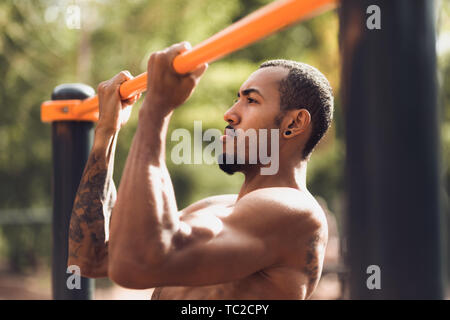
column 295, row 122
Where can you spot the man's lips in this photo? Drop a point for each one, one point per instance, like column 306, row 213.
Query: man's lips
column 229, row 133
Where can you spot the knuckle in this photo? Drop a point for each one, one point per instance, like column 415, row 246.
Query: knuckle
column 192, row 80
column 112, row 88
column 150, row 61
column 101, row 86
column 124, row 73
column 157, row 56
column 161, row 56
column 153, row 58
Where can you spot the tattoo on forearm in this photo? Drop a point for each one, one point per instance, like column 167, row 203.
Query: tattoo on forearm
column 75, row 232
column 88, row 214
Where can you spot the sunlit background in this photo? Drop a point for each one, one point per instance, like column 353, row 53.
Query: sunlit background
column 41, row 46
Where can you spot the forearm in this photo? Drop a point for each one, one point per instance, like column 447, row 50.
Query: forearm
column 145, row 216
column 92, row 207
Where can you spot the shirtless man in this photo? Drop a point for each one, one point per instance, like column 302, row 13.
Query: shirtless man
column 267, row 242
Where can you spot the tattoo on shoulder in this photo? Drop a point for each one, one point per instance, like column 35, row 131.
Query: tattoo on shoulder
column 312, row 260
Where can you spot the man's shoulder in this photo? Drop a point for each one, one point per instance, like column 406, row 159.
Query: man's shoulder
column 287, row 206
column 289, row 221
column 222, row 200
column 283, row 200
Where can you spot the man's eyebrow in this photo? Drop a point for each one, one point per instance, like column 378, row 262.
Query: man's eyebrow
column 246, row 92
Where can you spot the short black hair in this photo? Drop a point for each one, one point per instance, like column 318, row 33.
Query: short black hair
column 305, row 87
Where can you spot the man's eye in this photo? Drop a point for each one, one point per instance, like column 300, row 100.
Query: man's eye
column 250, row 100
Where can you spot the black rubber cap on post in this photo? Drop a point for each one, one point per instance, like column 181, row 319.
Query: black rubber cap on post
column 69, row 91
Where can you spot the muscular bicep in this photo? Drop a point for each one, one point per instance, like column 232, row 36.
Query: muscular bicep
column 206, row 249
column 206, row 258
column 230, row 255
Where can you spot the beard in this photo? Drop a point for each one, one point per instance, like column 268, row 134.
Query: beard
column 228, row 163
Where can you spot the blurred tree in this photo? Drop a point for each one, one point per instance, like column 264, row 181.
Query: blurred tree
column 33, row 55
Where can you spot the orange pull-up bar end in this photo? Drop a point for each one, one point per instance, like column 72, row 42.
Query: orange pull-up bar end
column 65, row 110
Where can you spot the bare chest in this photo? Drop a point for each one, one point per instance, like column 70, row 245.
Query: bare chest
column 274, row 284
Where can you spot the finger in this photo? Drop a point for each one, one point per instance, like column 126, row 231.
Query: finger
column 131, row 100
column 102, row 86
column 121, row 77
column 198, row 72
column 137, row 97
column 128, row 102
column 128, row 74
column 177, row 49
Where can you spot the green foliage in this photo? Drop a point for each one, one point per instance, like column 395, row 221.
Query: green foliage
column 38, row 51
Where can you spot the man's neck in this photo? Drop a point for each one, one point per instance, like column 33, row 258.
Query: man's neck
column 287, row 176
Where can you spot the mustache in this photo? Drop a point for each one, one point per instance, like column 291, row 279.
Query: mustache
column 229, row 130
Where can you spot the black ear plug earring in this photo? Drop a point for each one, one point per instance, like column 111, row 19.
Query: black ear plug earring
column 288, row 132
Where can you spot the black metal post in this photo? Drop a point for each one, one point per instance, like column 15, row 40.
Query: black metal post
column 393, row 163
column 72, row 141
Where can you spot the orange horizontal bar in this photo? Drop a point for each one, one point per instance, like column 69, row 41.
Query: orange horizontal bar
column 252, row 28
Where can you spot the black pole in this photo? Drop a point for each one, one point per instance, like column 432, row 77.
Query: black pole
column 393, row 163
column 72, row 141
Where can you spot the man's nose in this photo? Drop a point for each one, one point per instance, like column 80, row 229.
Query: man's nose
column 231, row 116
